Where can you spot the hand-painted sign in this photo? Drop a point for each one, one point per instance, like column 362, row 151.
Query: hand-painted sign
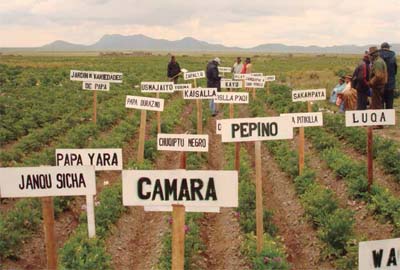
column 144, row 103
column 99, row 86
column 95, row 76
column 232, row 97
column 187, row 209
column 308, row 95
column 157, row 87
column 313, row 119
column 380, row 254
column 194, row 75
column 182, row 86
column 254, row 82
column 200, row 93
column 269, row 78
column 225, row 69
column 231, row 84
column 102, row 159
column 240, row 76
column 182, row 142
column 370, row 117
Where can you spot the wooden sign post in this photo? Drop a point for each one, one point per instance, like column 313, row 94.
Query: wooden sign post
column 371, row 119
column 254, row 82
column 257, row 130
column 47, row 182
column 194, row 76
column 269, row 78
column 306, row 95
column 143, row 104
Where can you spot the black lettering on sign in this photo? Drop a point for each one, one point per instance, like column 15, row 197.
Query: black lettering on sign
column 211, row 192
column 377, row 257
column 158, row 191
column 70, row 180
column 252, row 129
column 392, row 261
column 141, row 182
column 171, row 189
column 69, row 160
column 184, row 192
column 35, row 181
column 383, row 118
column 195, row 188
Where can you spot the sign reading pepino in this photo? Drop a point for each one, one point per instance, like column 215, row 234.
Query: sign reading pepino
column 95, row 76
column 370, row 118
column 144, row 103
column 194, row 75
column 182, row 142
column 314, row 119
column 157, row 87
column 189, row 188
column 380, row 254
column 232, row 97
column 108, row 159
column 308, row 95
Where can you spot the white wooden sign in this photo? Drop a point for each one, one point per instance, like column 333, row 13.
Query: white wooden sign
column 270, row 78
column 258, row 74
column 256, row 129
column 308, row 95
column 199, row 93
column 144, row 103
column 187, row 209
column 255, row 82
column 182, row 142
column 157, row 87
column 312, row 119
column 182, row 86
column 109, row 159
column 225, row 69
column 194, row 75
column 240, row 76
column 18, row 182
column 232, row 97
column 218, row 127
column 95, row 76
column 98, row 86
column 370, row 118
column 231, row 84
column 380, row 254
column 189, row 188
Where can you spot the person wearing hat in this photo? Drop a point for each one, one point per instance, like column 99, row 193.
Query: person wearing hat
column 347, row 99
column 361, row 82
column 378, row 77
column 336, row 90
column 390, row 60
column 173, row 70
column 213, row 81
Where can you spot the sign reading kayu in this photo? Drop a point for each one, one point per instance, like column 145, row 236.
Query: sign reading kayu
column 231, row 84
column 254, row 82
column 200, row 93
column 182, row 86
column 47, row 181
column 189, row 188
column 99, row 86
column 231, row 97
column 313, row 119
column 101, row 159
column 194, row 75
column 144, row 103
column 157, row 87
column 182, row 142
column 255, row 129
column 95, row 76
column 308, row 95
column 381, row 254
column 370, row 118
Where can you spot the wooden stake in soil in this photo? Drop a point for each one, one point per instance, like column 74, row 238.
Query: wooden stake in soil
column 178, row 237
column 142, row 134
column 199, row 107
column 95, row 107
column 370, row 157
column 301, row 143
column 49, row 232
column 90, row 216
column 158, row 117
column 259, row 205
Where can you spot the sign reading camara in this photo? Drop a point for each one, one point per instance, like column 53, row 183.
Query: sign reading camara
column 102, row 159
column 182, row 142
column 144, row 103
column 370, row 118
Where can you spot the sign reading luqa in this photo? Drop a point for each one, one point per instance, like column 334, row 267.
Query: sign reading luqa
column 199, row 93
column 189, row 188
column 370, row 117
column 231, row 84
column 225, row 69
column 182, row 86
column 102, row 159
column 380, row 254
column 182, row 142
column 95, row 76
column 157, row 87
column 254, row 81
column 314, row 119
column 47, row 181
column 232, row 97
column 255, row 129
column 144, row 103
column 194, row 75
column 308, row 95
column 98, row 86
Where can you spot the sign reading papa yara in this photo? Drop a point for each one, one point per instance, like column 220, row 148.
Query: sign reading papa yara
column 308, row 95
column 157, row 87
column 108, row 159
column 95, row 76
column 182, row 142
column 189, row 188
column 144, row 103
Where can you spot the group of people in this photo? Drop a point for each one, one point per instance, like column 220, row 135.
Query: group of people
column 374, row 77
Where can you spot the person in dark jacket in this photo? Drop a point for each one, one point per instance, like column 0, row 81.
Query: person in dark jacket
column 390, row 59
column 173, row 70
column 377, row 78
column 213, row 80
column 361, row 82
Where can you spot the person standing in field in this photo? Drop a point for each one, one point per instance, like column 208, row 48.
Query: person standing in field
column 213, row 81
column 378, row 77
column 361, row 82
column 173, row 70
column 237, row 66
column 390, row 60
column 246, row 69
column 338, row 89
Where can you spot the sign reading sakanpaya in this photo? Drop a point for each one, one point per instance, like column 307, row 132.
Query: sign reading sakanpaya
column 157, row 87
column 194, row 75
column 232, row 97
column 308, row 95
column 144, row 103
column 313, row 119
column 255, row 129
column 182, row 142
column 189, row 188
column 108, row 159
column 254, row 82
column 370, row 118
column 182, row 86
column 199, row 93
column 380, row 254
column 99, row 86
column 47, row 181
column 231, row 84
column 95, row 76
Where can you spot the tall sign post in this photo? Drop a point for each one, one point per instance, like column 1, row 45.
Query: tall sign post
column 269, row 78
column 194, row 76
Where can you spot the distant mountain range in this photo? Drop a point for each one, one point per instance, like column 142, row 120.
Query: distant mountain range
column 144, row 43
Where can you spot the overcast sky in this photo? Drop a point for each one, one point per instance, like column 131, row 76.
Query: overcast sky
column 232, row 23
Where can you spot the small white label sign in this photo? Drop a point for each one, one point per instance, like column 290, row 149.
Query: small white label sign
column 98, row 86
column 187, row 209
column 254, row 82
column 95, row 76
column 194, row 75
column 308, row 95
column 109, row 159
column 256, row 129
column 200, row 93
column 258, row 74
column 270, row 78
column 313, row 119
column 370, row 118
column 144, row 103
column 189, row 188
column 182, row 142
column 232, row 97
column 182, row 86
column 240, row 76
column 157, row 87
column 231, row 84
column 225, row 69
column 47, row 181
column 380, row 254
